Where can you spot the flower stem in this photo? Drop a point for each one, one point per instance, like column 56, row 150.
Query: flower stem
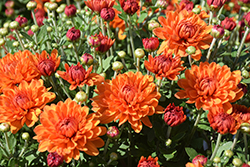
column 55, row 87
column 124, row 64
column 7, row 143
column 106, row 147
column 159, row 85
column 246, row 146
column 115, row 74
column 216, row 147
column 169, row 131
column 101, row 63
column 76, row 54
column 102, row 26
column 235, row 140
column 131, row 37
column 68, row 2
column 4, row 149
column 109, row 35
column 55, row 26
column 34, row 17
column 210, row 49
column 138, row 64
column 130, row 146
column 190, row 60
column 64, row 89
column 24, row 148
column 78, row 3
column 241, row 46
column 19, row 39
column 215, row 51
column 210, row 17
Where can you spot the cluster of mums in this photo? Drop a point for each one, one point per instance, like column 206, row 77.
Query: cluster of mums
column 66, row 128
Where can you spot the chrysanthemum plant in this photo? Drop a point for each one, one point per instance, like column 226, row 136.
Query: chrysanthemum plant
column 124, row 83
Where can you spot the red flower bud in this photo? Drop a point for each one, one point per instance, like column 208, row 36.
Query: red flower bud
column 186, row 4
column 150, row 44
column 113, row 132
column 30, row 32
column 73, row 34
column 215, row 4
column 245, row 165
column 129, row 6
column 199, row 159
column 40, row 20
column 70, row 10
column 54, row 159
column 9, row 12
column 105, row 45
column 22, row 21
column 87, row 59
column 107, row 14
column 94, row 41
column 9, row 4
column 217, row 31
column 174, row 115
column 228, row 23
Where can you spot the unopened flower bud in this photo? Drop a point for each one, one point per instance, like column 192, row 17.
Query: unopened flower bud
column 245, row 74
column 196, row 10
column 113, row 132
column 6, row 25
column 231, row 4
column 26, row 28
column 2, row 41
column 14, row 25
column 26, row 45
column 63, row 5
column 9, row 4
column 4, row 127
column 221, row 17
column 117, row 66
column 31, row 5
column 70, row 10
column 15, row 44
column 237, row 162
column 113, row 156
column 9, row 12
column 4, row 31
column 25, row 136
column 81, row 97
column 49, row 29
column 152, row 24
column 161, row 3
column 53, row 6
column 57, row 75
column 200, row 159
column 22, row 21
column 34, row 28
column 59, row 10
column 54, row 159
column 121, row 54
column 245, row 127
column 190, row 50
column 139, row 53
column 54, row 45
column 73, row 34
column 94, row 41
column 107, row 14
column 70, row 46
column 150, row 44
column 31, row 44
column 168, row 142
column 69, row 22
column 88, row 13
column 229, row 153
column 217, row 31
column 87, row 59
column 216, row 159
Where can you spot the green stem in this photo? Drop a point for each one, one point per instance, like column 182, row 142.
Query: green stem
column 235, row 140
column 169, row 131
column 106, row 147
column 210, row 17
column 34, row 17
column 115, row 74
column 124, row 64
column 138, row 64
column 131, row 37
column 76, row 54
column 7, row 143
column 101, row 63
column 246, row 146
column 109, row 35
column 55, row 26
column 130, row 146
column 55, row 87
column 216, row 147
column 24, row 148
column 190, row 60
column 4, row 149
column 210, row 49
column 159, row 85
column 102, row 26
column 68, row 2
column 78, row 3
column 215, row 51
column 241, row 46
column 19, row 39
column 64, row 89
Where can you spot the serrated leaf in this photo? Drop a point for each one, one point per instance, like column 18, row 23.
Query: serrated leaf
column 42, row 34
column 142, row 17
column 191, row 152
column 26, row 36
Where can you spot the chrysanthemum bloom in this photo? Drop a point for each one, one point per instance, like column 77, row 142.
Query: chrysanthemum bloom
column 66, row 128
column 98, row 5
column 22, row 21
column 186, row 4
column 40, row 21
column 46, row 64
column 199, row 159
column 189, row 164
column 105, row 45
column 150, row 44
column 223, row 122
column 107, row 14
column 241, row 113
column 73, row 34
column 181, row 30
column 78, row 76
column 23, row 104
column 15, row 68
column 54, row 159
column 70, row 10
column 215, row 4
column 165, row 65
column 210, row 86
column 228, row 23
column 150, row 162
column 129, row 6
column 129, row 97
column 174, row 115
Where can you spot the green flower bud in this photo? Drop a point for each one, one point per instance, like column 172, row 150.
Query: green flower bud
column 69, row 22
column 152, row 24
column 4, row 127
column 14, row 25
column 15, row 44
column 237, row 162
column 103, row 75
column 244, row 8
column 227, row 33
column 168, row 142
column 34, row 28
column 2, row 41
column 113, row 156
column 231, row 4
column 81, row 97
column 221, row 17
column 59, row 10
column 245, row 127
column 31, row 5
column 25, row 136
column 51, row 15
column 214, row 21
column 53, row 6
column 46, row 4
column 59, row 28
column 82, row 12
column 26, row 46
column 139, row 53
column 31, row 44
column 190, row 50
column 54, row 45
column 229, row 153
column 6, row 25
column 4, row 31
column 50, row 20
column 52, row 0
column 196, row 10
column 245, row 74
column 70, row 46
column 63, row 5
column 49, row 29
column 57, row 75
column 88, row 13
column 26, row 28
column 216, row 159
column 117, row 66
column 121, row 54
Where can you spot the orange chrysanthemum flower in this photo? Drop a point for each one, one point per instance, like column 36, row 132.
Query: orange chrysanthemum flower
column 23, row 104
column 66, row 128
column 105, row 45
column 78, row 76
column 15, row 68
column 241, row 113
column 210, row 87
column 181, row 30
column 45, row 63
column 98, row 5
column 150, row 162
column 189, row 164
column 129, row 97
column 165, row 65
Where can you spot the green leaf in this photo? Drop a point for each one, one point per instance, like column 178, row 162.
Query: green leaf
column 247, row 81
column 142, row 17
column 26, row 36
column 42, row 34
column 225, row 146
column 191, row 152
column 106, row 64
column 204, row 126
column 12, row 142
